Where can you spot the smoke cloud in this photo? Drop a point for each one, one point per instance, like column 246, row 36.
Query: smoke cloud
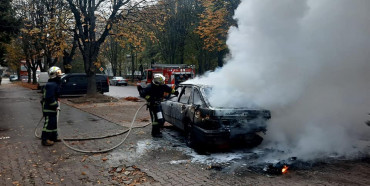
column 309, row 63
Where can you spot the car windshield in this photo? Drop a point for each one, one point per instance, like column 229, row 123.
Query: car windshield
column 119, row 78
column 207, row 91
column 213, row 100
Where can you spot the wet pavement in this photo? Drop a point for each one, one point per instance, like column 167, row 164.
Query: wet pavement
column 140, row 160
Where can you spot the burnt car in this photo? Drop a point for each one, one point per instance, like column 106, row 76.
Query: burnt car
column 211, row 126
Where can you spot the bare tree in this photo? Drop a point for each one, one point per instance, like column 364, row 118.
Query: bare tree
column 94, row 20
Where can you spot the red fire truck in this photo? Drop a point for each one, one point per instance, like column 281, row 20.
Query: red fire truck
column 174, row 73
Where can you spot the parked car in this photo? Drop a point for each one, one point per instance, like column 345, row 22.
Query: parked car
column 210, row 126
column 13, row 77
column 24, row 79
column 117, row 80
column 42, row 80
column 76, row 83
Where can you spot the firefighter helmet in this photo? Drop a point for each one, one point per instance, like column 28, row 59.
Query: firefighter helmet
column 158, row 79
column 54, row 72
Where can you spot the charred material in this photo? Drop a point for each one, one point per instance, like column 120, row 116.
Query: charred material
column 206, row 125
column 276, row 169
column 283, row 166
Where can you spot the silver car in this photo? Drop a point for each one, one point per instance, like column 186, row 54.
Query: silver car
column 117, row 80
column 213, row 126
column 13, row 77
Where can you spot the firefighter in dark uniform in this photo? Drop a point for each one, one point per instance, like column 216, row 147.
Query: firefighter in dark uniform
column 154, row 94
column 50, row 107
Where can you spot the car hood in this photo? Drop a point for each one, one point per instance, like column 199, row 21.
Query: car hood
column 240, row 112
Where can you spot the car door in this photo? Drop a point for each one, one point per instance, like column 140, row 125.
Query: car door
column 179, row 108
column 168, row 105
column 68, row 86
column 76, row 85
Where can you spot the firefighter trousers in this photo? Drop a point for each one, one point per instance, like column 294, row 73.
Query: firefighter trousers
column 49, row 131
column 156, row 116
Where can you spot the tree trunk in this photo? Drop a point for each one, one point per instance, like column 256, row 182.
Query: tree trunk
column 220, row 58
column 133, row 66
column 90, row 57
column 67, row 60
column 34, row 75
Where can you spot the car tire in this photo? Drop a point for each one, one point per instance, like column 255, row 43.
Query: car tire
column 253, row 140
column 190, row 137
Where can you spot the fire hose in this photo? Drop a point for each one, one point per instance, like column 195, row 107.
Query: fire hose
column 92, row 138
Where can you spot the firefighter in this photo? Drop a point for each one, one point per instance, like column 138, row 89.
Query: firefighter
column 50, row 107
column 154, row 94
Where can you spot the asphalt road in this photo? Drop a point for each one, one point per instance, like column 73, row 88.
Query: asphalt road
column 122, row 91
column 5, row 81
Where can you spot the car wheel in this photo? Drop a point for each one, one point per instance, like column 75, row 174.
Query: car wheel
column 253, row 140
column 189, row 136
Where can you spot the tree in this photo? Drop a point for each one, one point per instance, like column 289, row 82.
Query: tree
column 9, row 26
column 114, row 53
column 14, row 55
column 55, row 28
column 68, row 54
column 89, row 15
column 174, row 22
column 133, row 33
column 214, row 25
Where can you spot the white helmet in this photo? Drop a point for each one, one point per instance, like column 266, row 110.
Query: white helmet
column 158, row 79
column 54, row 72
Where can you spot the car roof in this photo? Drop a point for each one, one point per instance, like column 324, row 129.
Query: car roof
column 81, row 74
column 195, row 84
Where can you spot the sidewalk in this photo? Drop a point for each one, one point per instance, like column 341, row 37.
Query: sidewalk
column 140, row 160
column 25, row 162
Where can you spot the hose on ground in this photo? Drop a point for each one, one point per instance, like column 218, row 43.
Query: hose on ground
column 104, row 150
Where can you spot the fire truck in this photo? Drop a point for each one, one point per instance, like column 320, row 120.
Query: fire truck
column 174, row 74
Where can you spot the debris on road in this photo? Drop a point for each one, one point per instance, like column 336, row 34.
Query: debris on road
column 130, row 175
column 134, row 99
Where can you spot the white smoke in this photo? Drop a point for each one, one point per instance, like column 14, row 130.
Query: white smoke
column 309, row 63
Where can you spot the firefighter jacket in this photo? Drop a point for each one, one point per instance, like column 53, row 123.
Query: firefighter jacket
column 50, row 96
column 154, row 93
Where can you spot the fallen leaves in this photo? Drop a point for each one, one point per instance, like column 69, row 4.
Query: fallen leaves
column 134, row 99
column 84, row 158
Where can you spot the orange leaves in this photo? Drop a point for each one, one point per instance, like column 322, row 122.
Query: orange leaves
column 213, row 25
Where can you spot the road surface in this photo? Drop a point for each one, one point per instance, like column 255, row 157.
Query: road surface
column 122, row 91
